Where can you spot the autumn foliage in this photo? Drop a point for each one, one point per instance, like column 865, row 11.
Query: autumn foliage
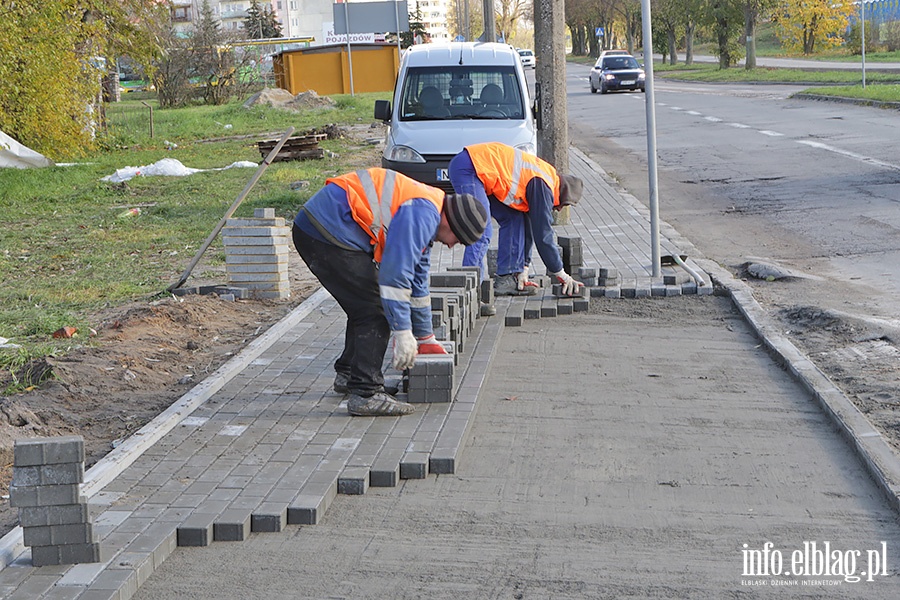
column 53, row 55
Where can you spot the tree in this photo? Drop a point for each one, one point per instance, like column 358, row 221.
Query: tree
column 693, row 13
column 630, row 11
column 261, row 22
column 667, row 17
column 753, row 10
column 725, row 19
column 202, row 66
column 511, row 11
column 53, row 56
column 416, row 28
column 804, row 25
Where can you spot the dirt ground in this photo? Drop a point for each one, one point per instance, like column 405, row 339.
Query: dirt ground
column 145, row 356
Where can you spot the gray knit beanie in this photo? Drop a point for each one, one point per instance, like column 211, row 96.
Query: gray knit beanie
column 570, row 188
column 467, row 217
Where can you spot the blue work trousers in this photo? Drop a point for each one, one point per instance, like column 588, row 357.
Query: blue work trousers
column 512, row 237
column 465, row 181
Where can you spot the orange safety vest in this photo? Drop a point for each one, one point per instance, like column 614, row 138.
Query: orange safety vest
column 366, row 190
column 506, row 171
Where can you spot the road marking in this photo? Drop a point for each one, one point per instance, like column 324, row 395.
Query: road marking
column 770, row 133
column 849, row 154
column 713, row 119
column 739, row 125
column 694, row 112
column 676, row 108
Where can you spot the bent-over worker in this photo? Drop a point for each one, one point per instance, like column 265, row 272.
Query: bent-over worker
column 521, row 191
column 367, row 237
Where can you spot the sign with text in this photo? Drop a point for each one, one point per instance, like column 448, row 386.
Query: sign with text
column 370, row 16
column 330, row 37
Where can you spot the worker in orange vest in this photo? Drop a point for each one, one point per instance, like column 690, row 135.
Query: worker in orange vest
column 367, row 237
column 521, row 191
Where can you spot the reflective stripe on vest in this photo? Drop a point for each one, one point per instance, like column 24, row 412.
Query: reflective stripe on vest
column 519, row 164
column 381, row 210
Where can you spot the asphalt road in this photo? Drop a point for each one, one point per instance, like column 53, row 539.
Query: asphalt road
column 747, row 172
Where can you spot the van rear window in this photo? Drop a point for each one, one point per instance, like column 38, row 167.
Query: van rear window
column 465, row 92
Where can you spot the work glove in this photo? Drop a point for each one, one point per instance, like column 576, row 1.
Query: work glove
column 522, row 279
column 570, row 287
column 430, row 345
column 405, row 348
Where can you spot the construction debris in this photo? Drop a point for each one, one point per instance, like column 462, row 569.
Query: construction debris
column 300, row 147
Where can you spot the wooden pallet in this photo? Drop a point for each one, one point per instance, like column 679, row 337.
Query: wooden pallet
column 295, row 148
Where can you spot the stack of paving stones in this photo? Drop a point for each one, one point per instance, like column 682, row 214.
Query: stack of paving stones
column 572, row 255
column 47, row 473
column 256, row 254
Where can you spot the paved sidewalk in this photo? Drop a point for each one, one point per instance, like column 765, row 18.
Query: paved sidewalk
column 265, row 445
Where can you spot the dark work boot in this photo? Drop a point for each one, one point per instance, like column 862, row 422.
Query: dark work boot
column 379, row 404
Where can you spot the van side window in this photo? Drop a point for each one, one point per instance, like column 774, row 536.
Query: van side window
column 460, row 90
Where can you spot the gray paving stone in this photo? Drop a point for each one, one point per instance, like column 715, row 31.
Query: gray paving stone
column 353, row 481
column 55, row 535
column 60, row 514
column 233, row 525
column 62, row 593
column 269, row 517
column 48, row 450
column 33, row 587
column 197, row 530
column 45, row 495
column 548, row 307
column 414, row 465
column 122, row 581
column 160, row 540
column 141, row 563
column 70, row 554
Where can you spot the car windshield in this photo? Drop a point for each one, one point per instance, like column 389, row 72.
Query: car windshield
column 618, row 63
column 524, row 52
column 465, row 92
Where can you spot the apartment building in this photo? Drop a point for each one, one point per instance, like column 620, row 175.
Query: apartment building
column 304, row 18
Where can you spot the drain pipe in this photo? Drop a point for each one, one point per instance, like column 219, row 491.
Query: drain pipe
column 691, row 272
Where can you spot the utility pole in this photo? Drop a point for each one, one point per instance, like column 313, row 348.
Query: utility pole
column 550, row 88
column 490, row 25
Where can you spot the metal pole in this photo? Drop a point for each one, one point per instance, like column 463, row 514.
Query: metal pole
column 651, row 137
column 397, row 16
column 862, row 8
column 151, row 117
column 349, row 57
column 466, row 31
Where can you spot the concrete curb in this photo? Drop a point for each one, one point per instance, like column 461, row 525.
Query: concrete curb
column 844, row 100
column 880, row 460
column 114, row 463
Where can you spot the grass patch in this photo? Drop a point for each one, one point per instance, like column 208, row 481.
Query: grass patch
column 879, row 93
column 68, row 250
column 712, row 73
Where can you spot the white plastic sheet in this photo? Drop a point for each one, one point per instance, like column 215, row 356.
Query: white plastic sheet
column 14, row 154
column 169, row 167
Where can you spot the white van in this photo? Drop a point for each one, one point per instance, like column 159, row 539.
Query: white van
column 448, row 96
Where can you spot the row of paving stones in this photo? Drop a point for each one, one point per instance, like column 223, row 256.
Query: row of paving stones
column 275, row 446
